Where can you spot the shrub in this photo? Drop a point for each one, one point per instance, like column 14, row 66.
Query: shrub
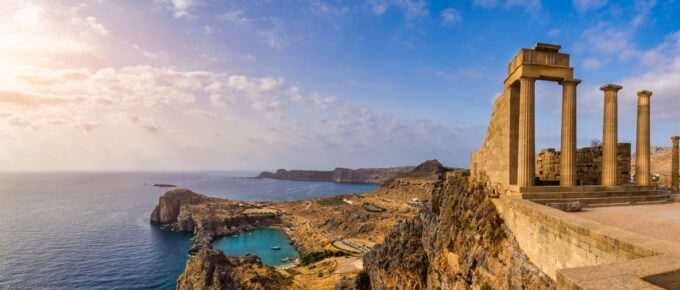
column 313, row 257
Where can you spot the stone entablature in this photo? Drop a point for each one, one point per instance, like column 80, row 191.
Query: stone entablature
column 588, row 165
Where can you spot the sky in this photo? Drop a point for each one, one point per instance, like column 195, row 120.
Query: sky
column 265, row 84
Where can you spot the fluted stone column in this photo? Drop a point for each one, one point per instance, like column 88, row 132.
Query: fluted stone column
column 675, row 184
column 568, row 146
column 526, row 165
column 643, row 175
column 609, row 135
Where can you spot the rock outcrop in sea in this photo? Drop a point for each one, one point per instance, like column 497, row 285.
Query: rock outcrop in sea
column 169, row 205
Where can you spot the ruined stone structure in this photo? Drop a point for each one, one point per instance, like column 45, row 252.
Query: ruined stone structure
column 675, row 184
column 588, row 162
column 506, row 161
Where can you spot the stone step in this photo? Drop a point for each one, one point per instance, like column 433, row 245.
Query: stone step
column 609, row 201
column 585, row 188
column 556, row 195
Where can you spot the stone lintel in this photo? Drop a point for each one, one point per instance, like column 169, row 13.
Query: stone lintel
column 611, row 87
column 546, row 47
column 644, row 93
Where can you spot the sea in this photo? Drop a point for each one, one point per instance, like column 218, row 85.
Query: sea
column 74, row 230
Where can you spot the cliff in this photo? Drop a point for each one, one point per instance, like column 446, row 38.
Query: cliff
column 169, row 205
column 339, row 175
column 210, row 269
column 459, row 242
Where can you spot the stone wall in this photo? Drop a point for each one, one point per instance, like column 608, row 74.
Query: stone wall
column 555, row 240
column 492, row 160
column 588, row 165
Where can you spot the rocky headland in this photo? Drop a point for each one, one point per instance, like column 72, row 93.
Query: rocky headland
column 340, row 175
column 435, row 230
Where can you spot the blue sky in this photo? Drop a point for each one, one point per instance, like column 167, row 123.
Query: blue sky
column 191, row 84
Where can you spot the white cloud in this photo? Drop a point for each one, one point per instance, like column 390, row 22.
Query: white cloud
column 587, row 5
column 591, row 64
column 181, row 7
column 485, row 3
column 183, row 120
column 451, row 16
column 410, row 8
column 553, row 32
column 96, row 25
column 235, row 16
column 207, row 29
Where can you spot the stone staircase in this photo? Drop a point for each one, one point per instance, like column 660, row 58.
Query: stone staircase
column 593, row 196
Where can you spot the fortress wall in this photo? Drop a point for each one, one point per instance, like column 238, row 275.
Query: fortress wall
column 555, row 240
column 492, row 159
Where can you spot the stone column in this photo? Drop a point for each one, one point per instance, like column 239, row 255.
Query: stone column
column 675, row 185
column 526, row 142
column 609, row 135
column 568, row 146
column 643, row 175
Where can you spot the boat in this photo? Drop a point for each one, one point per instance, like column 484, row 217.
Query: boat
column 276, row 248
column 235, row 236
column 287, row 259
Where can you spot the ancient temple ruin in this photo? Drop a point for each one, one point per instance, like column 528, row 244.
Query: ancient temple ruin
column 507, row 160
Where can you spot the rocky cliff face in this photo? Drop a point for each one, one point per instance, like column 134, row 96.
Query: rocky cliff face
column 169, row 205
column 210, row 269
column 340, row 175
column 460, row 242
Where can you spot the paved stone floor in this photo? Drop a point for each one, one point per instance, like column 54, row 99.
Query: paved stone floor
column 659, row 220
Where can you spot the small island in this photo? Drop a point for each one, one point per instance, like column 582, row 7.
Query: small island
column 164, row 185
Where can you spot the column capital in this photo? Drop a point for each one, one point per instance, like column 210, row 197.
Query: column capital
column 675, row 138
column 529, row 78
column 572, row 81
column 644, row 93
column 611, row 87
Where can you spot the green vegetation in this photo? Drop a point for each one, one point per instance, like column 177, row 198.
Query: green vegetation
column 485, row 286
column 333, row 201
column 313, row 257
column 372, row 207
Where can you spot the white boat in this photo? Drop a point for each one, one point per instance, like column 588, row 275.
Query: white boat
column 276, row 248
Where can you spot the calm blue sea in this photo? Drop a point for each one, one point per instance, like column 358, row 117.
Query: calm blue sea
column 92, row 231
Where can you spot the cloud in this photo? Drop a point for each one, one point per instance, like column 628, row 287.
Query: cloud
column 202, row 113
column 553, row 32
column 609, row 39
column 181, row 7
column 587, row 5
column 184, row 119
column 485, row 3
column 22, row 99
column 410, row 8
column 145, row 123
column 451, row 16
column 275, row 35
column 36, row 32
column 235, row 16
column 531, row 6
column 591, row 64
